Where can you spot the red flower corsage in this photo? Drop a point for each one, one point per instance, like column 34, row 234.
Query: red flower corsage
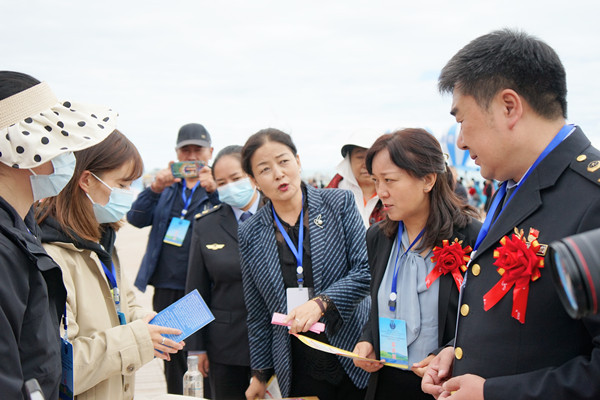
column 449, row 258
column 519, row 262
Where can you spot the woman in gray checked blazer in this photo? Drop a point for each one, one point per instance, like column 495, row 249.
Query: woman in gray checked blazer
column 328, row 280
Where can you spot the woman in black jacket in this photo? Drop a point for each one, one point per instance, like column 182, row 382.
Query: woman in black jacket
column 414, row 259
column 37, row 137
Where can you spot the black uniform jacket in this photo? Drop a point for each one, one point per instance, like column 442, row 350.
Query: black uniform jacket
column 379, row 247
column 214, row 269
column 549, row 356
column 32, row 300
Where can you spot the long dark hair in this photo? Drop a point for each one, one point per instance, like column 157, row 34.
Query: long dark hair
column 71, row 207
column 419, row 153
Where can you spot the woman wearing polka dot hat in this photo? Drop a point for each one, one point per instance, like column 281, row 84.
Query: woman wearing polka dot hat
column 37, row 137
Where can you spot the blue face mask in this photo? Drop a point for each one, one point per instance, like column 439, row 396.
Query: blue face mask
column 237, row 194
column 119, row 203
column 43, row 186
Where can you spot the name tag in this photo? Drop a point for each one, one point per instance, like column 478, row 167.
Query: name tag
column 66, row 388
column 392, row 342
column 296, row 297
column 177, row 230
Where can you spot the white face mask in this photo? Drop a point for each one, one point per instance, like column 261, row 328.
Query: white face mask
column 44, row 186
column 119, row 203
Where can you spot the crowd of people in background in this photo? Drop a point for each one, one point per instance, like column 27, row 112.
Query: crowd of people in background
column 398, row 250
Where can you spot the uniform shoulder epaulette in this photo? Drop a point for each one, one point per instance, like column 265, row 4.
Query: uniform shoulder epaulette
column 207, row 211
column 587, row 164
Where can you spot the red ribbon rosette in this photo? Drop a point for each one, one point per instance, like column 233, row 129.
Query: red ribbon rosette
column 518, row 263
column 450, row 258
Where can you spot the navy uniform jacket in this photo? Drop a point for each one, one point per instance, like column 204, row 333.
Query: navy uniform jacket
column 214, row 269
column 550, row 356
column 379, row 247
column 340, row 270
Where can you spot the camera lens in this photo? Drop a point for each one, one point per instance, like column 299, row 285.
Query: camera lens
column 575, row 265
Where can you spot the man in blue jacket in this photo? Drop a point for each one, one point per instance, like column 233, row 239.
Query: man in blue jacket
column 169, row 205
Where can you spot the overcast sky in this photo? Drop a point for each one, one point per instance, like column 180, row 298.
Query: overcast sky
column 316, row 69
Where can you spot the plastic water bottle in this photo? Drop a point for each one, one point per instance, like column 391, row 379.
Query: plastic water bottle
column 193, row 381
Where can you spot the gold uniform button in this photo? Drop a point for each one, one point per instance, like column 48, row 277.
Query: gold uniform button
column 126, row 388
column 464, row 310
column 581, row 157
column 476, row 269
column 458, row 352
column 130, row 368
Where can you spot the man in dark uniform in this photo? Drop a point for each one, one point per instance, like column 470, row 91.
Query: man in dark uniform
column 514, row 340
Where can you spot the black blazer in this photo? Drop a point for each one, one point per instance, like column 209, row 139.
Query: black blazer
column 214, row 269
column 379, row 247
column 550, row 356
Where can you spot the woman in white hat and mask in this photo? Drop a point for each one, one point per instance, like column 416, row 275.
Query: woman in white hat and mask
column 38, row 135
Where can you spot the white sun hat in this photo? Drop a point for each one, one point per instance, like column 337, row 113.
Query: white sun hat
column 35, row 127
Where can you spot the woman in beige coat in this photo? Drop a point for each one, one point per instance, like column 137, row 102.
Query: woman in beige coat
column 111, row 336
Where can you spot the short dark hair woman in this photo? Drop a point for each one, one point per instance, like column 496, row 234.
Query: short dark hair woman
column 417, row 190
column 303, row 254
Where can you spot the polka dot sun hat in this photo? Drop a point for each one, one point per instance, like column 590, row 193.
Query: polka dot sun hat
column 35, row 127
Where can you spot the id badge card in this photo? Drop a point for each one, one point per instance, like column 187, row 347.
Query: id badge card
column 177, row 230
column 297, row 296
column 66, row 388
column 392, row 342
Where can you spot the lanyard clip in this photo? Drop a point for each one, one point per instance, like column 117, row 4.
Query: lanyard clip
column 392, row 301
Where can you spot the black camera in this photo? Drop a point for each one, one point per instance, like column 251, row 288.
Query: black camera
column 575, row 265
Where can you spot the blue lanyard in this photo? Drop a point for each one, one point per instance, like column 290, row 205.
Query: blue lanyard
column 297, row 251
column 394, row 292
column 111, row 275
column 187, row 199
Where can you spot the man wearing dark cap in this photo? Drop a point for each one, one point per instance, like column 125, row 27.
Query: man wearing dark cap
column 169, row 205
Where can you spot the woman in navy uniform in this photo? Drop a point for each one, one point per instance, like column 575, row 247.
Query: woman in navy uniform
column 214, row 269
column 417, row 190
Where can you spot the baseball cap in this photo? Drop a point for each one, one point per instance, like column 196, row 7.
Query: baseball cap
column 194, row 134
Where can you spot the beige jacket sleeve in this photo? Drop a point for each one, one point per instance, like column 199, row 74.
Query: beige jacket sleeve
column 101, row 347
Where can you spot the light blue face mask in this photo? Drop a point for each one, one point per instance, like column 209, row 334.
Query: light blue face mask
column 119, row 203
column 43, row 186
column 237, row 194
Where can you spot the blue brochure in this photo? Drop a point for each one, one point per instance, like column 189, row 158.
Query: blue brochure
column 188, row 314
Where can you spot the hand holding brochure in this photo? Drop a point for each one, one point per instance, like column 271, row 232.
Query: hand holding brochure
column 188, row 314
column 315, row 344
